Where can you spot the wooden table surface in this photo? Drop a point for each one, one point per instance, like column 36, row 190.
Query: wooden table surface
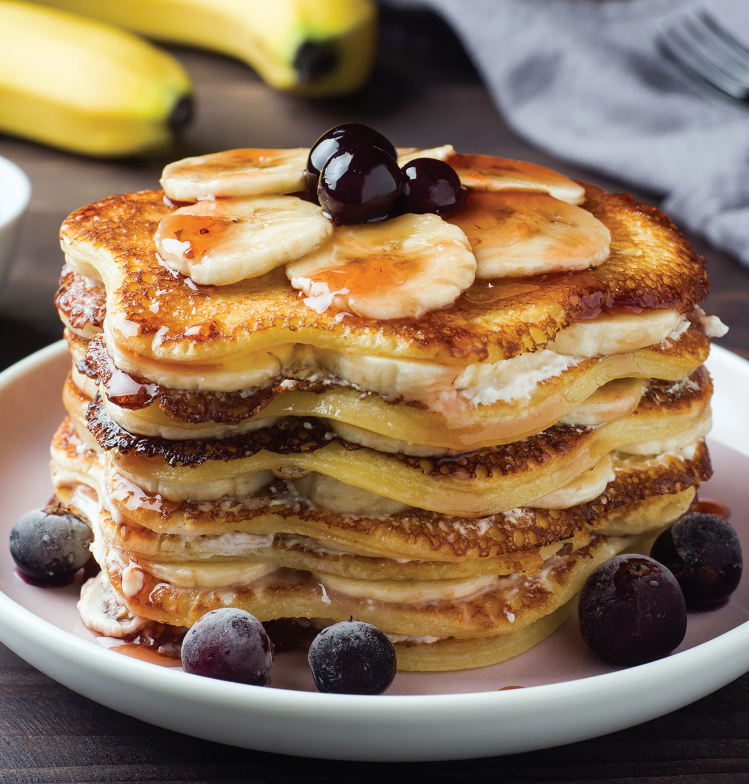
column 419, row 96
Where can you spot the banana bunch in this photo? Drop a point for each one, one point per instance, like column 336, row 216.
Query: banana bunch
column 312, row 48
column 85, row 86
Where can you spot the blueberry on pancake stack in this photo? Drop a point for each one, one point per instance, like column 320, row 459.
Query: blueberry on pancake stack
column 426, row 390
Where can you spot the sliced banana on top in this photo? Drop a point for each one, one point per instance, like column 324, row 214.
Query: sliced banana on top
column 516, row 233
column 399, row 268
column 489, row 173
column 221, row 242
column 250, row 172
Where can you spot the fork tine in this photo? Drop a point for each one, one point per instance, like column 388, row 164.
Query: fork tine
column 730, row 45
column 678, row 42
column 693, row 77
column 712, row 46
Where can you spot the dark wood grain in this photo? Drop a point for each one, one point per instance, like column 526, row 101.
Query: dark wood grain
column 419, row 96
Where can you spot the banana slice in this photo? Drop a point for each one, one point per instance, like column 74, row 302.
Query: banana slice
column 251, row 172
column 516, row 233
column 408, row 154
column 195, row 574
column 616, row 332
column 408, row 591
column 672, row 443
column 584, row 488
column 393, row 446
column 221, row 242
column 336, row 496
column 612, row 401
column 399, row 268
column 488, row 173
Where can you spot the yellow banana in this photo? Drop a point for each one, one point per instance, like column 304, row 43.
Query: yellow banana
column 312, row 48
column 85, row 86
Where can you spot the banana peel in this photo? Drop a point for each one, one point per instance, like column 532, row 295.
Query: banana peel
column 312, row 48
column 84, row 86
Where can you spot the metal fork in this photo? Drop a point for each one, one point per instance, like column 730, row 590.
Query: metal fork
column 706, row 56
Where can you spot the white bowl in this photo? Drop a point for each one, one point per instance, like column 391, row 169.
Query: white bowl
column 15, row 192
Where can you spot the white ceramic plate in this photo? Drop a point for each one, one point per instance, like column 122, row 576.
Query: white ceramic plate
column 15, row 192
column 569, row 693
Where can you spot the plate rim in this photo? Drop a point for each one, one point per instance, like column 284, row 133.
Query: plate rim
column 21, row 629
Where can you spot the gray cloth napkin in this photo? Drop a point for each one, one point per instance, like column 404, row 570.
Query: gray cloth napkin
column 585, row 81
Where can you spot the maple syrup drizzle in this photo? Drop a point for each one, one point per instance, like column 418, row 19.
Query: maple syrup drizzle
column 122, row 389
column 364, row 276
column 713, row 507
column 203, row 232
column 145, row 653
column 478, row 165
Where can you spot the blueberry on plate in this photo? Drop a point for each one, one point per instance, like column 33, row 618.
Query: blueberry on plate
column 704, row 553
column 632, row 610
column 352, row 657
column 230, row 645
column 50, row 545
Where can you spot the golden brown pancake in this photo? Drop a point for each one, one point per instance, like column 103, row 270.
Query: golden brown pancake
column 651, row 266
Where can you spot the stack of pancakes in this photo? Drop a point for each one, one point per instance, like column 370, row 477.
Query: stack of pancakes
column 451, row 479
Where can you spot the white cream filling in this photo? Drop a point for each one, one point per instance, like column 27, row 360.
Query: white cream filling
column 396, row 638
column 713, row 326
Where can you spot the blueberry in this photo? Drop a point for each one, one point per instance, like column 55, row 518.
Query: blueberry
column 342, row 136
column 632, row 610
column 352, row 657
column 230, row 645
column 704, row 553
column 430, row 185
column 359, row 184
column 50, row 545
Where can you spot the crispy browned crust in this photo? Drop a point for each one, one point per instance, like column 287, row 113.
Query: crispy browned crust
column 83, row 305
column 651, row 266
